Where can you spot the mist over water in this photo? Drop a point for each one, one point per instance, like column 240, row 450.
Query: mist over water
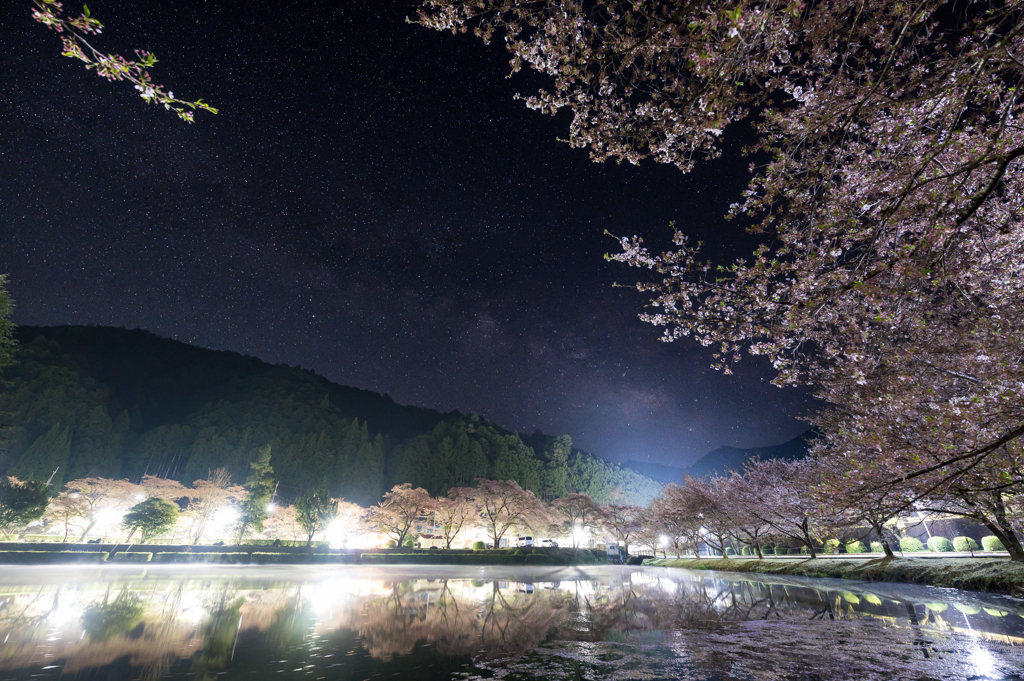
column 203, row 622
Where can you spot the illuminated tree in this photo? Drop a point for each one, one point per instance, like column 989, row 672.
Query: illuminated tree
column 396, row 514
column 455, row 512
column 259, row 490
column 102, row 498
column 672, row 517
column 315, row 510
column 208, row 498
column 622, row 522
column 576, row 511
column 503, row 505
column 151, row 517
column 889, row 199
column 20, row 503
column 74, row 32
column 777, row 493
column 65, row 509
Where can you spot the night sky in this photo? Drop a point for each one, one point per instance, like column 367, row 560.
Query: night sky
column 371, row 203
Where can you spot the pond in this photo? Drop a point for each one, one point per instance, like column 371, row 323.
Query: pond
column 409, row 623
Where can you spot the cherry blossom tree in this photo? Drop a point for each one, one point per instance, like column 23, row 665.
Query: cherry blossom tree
column 889, row 199
column 67, row 510
column 777, row 493
column 747, row 526
column 674, row 519
column 396, row 514
column 102, row 499
column 455, row 512
column 75, row 33
column 622, row 522
column 503, row 505
column 209, row 500
column 576, row 511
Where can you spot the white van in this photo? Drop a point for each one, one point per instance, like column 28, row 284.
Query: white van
column 524, row 541
column 430, row 541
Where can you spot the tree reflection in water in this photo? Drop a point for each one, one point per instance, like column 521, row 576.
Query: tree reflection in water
column 599, row 622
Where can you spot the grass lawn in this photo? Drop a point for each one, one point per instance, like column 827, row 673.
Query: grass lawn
column 996, row 575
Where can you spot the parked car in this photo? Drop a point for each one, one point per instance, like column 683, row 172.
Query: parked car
column 524, row 541
column 549, row 543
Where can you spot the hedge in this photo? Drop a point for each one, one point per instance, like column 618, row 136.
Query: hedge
column 45, row 557
column 964, row 544
column 479, row 546
column 909, row 544
column 257, row 557
column 132, row 557
column 488, row 558
column 939, row 545
column 992, row 543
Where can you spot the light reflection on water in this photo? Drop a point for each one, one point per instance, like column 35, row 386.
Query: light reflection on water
column 408, row 623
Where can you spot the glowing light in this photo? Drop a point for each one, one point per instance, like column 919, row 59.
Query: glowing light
column 108, row 516
column 336, row 534
column 226, row 516
column 983, row 663
column 579, row 536
column 140, row 497
column 662, row 541
column 75, row 495
column 65, row 614
column 271, row 508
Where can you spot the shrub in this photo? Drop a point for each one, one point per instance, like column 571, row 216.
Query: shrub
column 730, row 551
column 392, row 544
column 855, row 546
column 876, row 547
column 43, row 557
column 479, row 546
column 832, row 545
column 746, row 551
column 768, row 550
column 804, row 550
column 992, row 543
column 909, row 544
column 939, row 545
column 132, row 557
column 409, row 542
column 964, row 544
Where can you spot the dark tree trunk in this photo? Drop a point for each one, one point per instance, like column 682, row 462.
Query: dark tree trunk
column 805, row 529
column 880, row 530
column 1006, row 534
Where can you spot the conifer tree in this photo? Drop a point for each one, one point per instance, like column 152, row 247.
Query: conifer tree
column 46, row 460
column 315, row 510
column 259, row 488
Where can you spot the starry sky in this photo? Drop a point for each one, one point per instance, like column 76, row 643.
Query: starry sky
column 371, row 203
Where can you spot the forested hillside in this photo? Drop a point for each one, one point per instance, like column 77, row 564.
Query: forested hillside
column 94, row 401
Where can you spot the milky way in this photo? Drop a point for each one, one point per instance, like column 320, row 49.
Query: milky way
column 371, row 203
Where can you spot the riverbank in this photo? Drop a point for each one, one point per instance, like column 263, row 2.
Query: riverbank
column 41, row 554
column 994, row 575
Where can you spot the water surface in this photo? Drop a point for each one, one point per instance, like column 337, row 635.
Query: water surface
column 408, row 623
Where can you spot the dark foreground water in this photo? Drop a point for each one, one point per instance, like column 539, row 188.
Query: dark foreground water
column 408, row 623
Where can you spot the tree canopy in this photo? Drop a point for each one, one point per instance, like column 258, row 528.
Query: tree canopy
column 95, row 402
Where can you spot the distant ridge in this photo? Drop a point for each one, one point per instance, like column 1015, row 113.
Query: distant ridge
column 725, row 459
column 91, row 401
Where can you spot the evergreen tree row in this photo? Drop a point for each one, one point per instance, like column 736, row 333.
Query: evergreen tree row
column 91, row 401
